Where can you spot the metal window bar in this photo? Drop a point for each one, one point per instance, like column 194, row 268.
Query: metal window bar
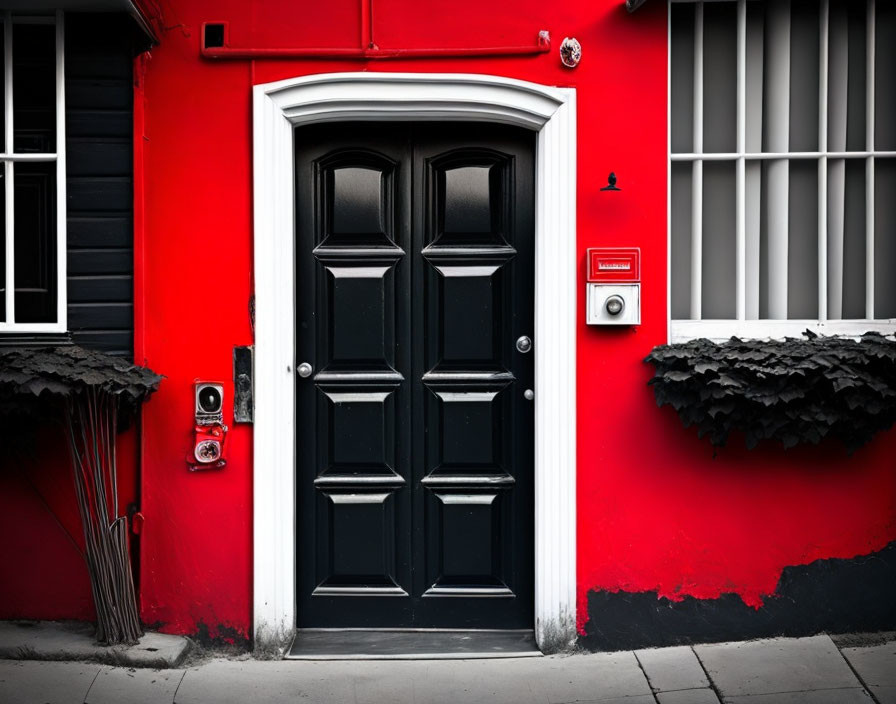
column 822, row 204
column 741, row 170
column 870, row 13
column 9, row 157
column 697, row 174
column 753, row 182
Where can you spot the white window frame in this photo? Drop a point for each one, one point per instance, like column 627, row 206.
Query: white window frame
column 8, row 159
column 697, row 327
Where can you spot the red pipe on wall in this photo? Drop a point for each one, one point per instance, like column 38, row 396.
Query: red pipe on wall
column 139, row 135
column 541, row 46
column 367, row 49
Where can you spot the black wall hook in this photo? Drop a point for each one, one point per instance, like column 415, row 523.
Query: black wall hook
column 611, row 183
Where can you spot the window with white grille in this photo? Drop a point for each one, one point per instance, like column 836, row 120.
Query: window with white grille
column 32, row 170
column 782, row 167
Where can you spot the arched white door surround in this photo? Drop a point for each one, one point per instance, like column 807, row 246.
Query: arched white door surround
column 551, row 112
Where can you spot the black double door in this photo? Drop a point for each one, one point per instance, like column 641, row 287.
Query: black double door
column 414, row 429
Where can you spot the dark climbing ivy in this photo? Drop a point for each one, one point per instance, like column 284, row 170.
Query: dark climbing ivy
column 791, row 391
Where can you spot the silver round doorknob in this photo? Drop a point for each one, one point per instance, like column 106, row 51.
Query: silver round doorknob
column 524, row 343
column 305, row 370
column 528, row 394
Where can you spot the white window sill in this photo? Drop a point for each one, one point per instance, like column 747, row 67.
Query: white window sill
column 721, row 330
column 32, row 327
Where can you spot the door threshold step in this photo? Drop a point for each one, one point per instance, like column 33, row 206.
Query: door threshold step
column 388, row 644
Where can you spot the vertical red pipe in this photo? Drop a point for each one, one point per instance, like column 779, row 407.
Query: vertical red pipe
column 139, row 137
column 367, row 25
column 139, row 186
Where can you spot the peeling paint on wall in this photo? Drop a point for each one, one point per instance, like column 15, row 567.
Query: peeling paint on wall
column 832, row 596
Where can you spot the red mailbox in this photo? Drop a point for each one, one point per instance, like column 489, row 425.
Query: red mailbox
column 614, row 286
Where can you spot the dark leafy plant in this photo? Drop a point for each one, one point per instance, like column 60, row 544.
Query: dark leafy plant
column 791, row 391
column 89, row 392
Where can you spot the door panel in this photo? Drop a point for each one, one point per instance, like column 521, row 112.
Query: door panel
column 468, row 430
column 465, row 556
column 465, row 317
column 357, row 543
column 359, row 426
column 415, row 274
column 359, row 310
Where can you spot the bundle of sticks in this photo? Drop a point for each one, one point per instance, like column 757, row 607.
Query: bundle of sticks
column 92, row 424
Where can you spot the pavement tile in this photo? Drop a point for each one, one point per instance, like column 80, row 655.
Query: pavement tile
column 586, row 678
column 670, row 669
column 39, row 682
column 396, row 684
column 638, row 699
column 818, row 696
column 876, row 666
column 127, row 684
column 492, row 681
column 884, row 695
column 259, row 682
column 688, row 696
column 776, row 665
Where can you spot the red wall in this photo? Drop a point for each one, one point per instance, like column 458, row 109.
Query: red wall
column 657, row 510
column 43, row 573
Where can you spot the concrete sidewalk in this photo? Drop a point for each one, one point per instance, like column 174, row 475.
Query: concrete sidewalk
column 776, row 671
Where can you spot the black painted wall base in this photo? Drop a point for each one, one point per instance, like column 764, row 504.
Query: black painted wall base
column 832, row 596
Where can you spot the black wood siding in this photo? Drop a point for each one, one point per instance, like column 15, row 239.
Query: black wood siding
column 99, row 52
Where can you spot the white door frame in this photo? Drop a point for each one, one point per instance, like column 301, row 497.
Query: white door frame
column 551, row 113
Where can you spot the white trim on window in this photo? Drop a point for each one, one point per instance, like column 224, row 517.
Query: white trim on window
column 551, row 113
column 746, row 157
column 721, row 330
column 8, row 158
column 9, row 280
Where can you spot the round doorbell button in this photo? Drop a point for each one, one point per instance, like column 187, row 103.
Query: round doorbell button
column 615, row 305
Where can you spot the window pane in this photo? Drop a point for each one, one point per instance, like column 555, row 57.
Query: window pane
column 754, row 68
column 682, row 182
column 34, row 87
column 682, row 99
column 846, row 239
column 2, row 245
column 884, row 238
column 35, row 244
column 802, row 245
column 854, row 241
column 720, row 77
column 776, row 89
column 804, row 76
column 885, row 66
column 855, row 119
column 2, row 90
column 719, row 239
